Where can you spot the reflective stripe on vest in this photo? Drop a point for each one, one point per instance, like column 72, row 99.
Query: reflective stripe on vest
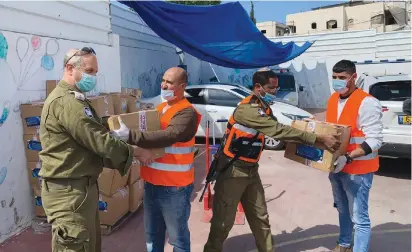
column 179, row 150
column 245, row 129
column 170, row 167
column 349, row 116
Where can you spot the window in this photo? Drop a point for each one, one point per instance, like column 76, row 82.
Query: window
column 389, row 19
column 195, row 95
column 350, row 22
column 332, row 24
column 222, row 98
column 263, row 31
column 292, row 28
column 287, row 83
column 313, row 26
column 391, row 90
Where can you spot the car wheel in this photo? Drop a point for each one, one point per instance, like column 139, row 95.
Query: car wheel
column 272, row 144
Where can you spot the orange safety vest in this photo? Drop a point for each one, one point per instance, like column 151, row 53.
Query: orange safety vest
column 175, row 168
column 238, row 136
column 349, row 116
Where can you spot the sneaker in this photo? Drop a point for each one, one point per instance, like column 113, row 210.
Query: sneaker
column 341, row 249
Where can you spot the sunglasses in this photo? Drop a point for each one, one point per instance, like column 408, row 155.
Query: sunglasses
column 85, row 50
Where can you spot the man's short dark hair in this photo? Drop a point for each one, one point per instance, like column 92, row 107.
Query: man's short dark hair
column 262, row 77
column 344, row 66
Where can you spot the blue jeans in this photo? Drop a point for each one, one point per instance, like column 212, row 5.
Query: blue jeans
column 167, row 208
column 351, row 194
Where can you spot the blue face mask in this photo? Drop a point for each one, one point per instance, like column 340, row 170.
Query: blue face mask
column 167, row 94
column 268, row 98
column 339, row 86
column 87, row 83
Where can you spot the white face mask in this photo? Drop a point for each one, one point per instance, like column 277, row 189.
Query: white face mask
column 167, row 94
column 340, row 86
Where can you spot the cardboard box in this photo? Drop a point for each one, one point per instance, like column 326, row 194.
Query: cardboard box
column 38, row 205
column 134, row 172
column 147, row 120
column 103, row 105
column 50, row 86
column 30, row 114
column 133, row 104
column 133, row 92
column 110, row 181
column 32, row 147
column 136, row 195
column 317, row 156
column 35, row 179
column 113, row 208
column 119, row 103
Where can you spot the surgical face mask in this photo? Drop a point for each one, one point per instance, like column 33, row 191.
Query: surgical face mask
column 268, row 98
column 87, row 83
column 340, row 86
column 167, row 94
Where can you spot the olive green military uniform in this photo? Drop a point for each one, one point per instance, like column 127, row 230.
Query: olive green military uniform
column 76, row 146
column 241, row 183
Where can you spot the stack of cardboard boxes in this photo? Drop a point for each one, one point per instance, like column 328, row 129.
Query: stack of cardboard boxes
column 118, row 194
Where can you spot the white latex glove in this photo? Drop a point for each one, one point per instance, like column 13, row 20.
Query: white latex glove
column 340, row 164
column 123, row 132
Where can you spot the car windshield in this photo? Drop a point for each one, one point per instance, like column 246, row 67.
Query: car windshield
column 287, row 83
column 392, row 90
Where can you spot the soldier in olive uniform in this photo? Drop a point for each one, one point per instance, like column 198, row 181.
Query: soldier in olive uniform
column 240, row 182
column 76, row 146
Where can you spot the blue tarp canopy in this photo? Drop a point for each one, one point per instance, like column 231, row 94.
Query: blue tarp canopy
column 222, row 34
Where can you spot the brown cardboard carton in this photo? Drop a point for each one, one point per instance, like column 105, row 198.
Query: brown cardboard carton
column 30, row 114
column 133, row 104
column 113, row 208
column 103, row 105
column 318, row 156
column 32, row 147
column 38, row 205
column 110, row 181
column 134, row 172
column 119, row 103
column 133, row 92
column 50, row 86
column 136, row 195
column 145, row 120
column 35, row 179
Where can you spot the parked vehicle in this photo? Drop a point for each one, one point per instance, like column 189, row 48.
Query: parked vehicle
column 394, row 93
column 218, row 101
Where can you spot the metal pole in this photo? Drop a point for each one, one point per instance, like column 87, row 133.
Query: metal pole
column 214, row 72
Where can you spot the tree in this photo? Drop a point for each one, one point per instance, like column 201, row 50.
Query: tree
column 252, row 12
column 197, row 2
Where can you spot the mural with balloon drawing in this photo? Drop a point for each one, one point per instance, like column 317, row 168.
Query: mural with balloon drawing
column 34, row 54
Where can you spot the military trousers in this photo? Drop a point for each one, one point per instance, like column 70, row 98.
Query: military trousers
column 233, row 186
column 71, row 208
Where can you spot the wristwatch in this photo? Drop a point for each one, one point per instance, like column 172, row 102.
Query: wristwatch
column 348, row 159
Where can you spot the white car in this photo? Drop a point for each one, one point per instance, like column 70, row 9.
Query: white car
column 217, row 101
column 394, row 94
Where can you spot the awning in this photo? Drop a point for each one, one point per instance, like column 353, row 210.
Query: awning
column 222, row 34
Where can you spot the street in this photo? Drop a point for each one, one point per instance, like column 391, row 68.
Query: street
column 300, row 207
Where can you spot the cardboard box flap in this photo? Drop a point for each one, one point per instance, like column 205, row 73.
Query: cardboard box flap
column 146, row 120
column 110, row 181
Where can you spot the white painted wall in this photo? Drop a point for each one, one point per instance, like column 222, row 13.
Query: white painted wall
column 313, row 69
column 144, row 55
column 42, row 31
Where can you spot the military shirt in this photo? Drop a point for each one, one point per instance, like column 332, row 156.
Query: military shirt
column 252, row 115
column 74, row 142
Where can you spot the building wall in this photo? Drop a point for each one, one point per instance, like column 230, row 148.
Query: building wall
column 361, row 15
column 303, row 21
column 145, row 56
column 269, row 26
column 313, row 69
column 32, row 48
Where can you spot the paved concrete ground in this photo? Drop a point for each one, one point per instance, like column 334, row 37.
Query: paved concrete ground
column 300, row 208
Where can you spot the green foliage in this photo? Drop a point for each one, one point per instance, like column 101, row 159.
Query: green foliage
column 252, row 12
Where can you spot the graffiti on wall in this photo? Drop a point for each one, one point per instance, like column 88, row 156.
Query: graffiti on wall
column 241, row 77
column 27, row 68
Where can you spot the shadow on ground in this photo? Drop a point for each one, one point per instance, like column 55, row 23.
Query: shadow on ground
column 385, row 237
